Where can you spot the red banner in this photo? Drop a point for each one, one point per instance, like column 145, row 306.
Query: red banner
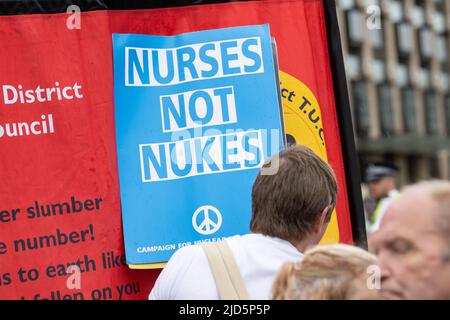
column 59, row 190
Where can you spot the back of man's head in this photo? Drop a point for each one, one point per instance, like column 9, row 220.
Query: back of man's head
column 289, row 203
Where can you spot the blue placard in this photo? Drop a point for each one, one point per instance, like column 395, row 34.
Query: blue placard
column 196, row 116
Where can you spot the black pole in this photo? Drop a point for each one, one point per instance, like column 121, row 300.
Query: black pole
column 351, row 165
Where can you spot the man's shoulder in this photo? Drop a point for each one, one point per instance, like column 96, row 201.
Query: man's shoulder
column 187, row 255
column 187, row 269
column 195, row 249
column 196, row 253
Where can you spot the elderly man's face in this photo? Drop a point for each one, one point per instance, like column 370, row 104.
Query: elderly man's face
column 411, row 251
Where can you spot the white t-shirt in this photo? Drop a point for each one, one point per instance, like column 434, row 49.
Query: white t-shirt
column 259, row 259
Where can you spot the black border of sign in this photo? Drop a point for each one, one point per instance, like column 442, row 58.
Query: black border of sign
column 351, row 166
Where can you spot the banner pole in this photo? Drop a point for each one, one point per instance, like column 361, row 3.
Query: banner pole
column 351, row 165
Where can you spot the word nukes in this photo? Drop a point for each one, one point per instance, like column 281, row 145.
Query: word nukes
column 241, row 150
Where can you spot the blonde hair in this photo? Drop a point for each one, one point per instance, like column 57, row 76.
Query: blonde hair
column 326, row 272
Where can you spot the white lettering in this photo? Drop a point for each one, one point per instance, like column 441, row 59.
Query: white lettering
column 12, row 94
column 6, row 97
column 18, row 129
column 170, row 66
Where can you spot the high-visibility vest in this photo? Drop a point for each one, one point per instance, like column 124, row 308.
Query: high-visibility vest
column 380, row 209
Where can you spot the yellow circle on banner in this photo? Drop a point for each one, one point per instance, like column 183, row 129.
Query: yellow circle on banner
column 303, row 125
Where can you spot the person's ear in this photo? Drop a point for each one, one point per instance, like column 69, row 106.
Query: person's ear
column 324, row 220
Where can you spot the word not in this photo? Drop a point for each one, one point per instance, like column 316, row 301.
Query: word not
column 202, row 155
column 198, row 108
column 43, row 126
column 159, row 67
column 12, row 95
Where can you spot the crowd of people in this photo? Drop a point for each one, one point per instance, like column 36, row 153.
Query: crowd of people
column 281, row 259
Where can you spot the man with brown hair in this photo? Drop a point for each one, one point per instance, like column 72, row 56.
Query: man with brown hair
column 291, row 210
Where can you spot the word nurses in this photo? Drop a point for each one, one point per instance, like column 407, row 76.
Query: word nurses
column 160, row 67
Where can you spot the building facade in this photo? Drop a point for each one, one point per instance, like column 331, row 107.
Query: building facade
column 397, row 63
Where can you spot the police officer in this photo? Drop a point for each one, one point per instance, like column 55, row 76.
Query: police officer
column 381, row 180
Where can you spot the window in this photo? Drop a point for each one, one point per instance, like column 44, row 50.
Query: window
column 361, row 108
column 443, row 54
column 396, row 11
column 439, row 21
column 447, row 113
column 378, row 71
column 412, row 169
column 346, row 4
column 409, row 109
column 355, row 27
column 425, row 45
column 402, row 75
column 445, row 82
column 418, row 14
column 424, row 78
column 352, row 66
column 377, row 40
column 431, row 113
column 385, row 109
column 433, row 167
column 442, row 51
column 404, row 36
column 439, row 5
